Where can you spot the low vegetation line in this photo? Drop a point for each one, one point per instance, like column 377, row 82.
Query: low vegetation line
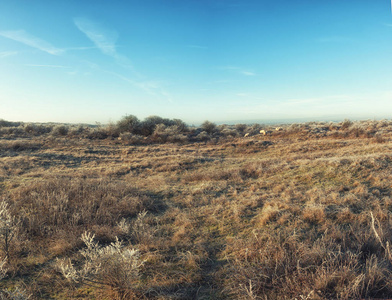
column 157, row 209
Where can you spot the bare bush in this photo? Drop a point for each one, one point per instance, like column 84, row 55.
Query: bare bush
column 60, row 130
column 227, row 132
column 202, row 137
column 163, row 134
column 9, row 226
column 112, row 266
column 77, row 131
column 4, row 123
column 99, row 133
column 241, row 128
column 209, row 127
column 346, row 124
column 17, row 293
column 129, row 123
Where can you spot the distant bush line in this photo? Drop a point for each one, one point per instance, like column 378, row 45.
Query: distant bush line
column 154, row 129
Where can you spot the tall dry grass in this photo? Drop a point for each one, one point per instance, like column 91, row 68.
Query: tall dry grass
column 303, row 212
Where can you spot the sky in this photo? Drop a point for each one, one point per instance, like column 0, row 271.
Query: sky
column 90, row 61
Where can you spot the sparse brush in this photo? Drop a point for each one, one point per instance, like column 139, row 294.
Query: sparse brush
column 60, row 130
column 9, row 226
column 209, row 127
column 18, row 293
column 111, row 266
column 346, row 124
column 301, row 212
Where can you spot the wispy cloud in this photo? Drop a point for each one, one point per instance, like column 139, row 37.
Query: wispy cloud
column 48, row 66
column 222, row 81
column 239, row 70
column 334, row 39
column 80, row 48
column 153, row 88
column 30, row 40
column 104, row 39
column 248, row 73
column 7, row 53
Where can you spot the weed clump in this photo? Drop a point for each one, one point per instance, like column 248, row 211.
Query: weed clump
column 111, row 267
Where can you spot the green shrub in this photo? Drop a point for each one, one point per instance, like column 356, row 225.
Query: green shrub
column 128, row 123
column 4, row 123
column 60, row 130
column 209, row 127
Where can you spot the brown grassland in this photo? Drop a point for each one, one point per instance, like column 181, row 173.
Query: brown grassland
column 304, row 212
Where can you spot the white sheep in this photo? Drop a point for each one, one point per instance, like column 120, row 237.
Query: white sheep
column 265, row 132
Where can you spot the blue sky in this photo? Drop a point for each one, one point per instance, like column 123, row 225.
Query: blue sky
column 221, row 60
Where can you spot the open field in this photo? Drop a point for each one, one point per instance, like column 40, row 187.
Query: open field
column 300, row 213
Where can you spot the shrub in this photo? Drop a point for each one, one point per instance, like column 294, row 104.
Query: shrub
column 209, row 127
column 241, row 128
column 202, row 137
column 111, row 266
column 99, row 133
column 77, row 130
column 37, row 129
column 150, row 123
column 357, row 130
column 131, row 138
column 160, row 132
column 4, row 123
column 18, row 293
column 129, row 123
column 182, row 127
column 163, row 133
column 29, row 128
column 112, row 130
column 8, row 228
column 229, row 132
column 346, row 124
column 148, row 126
column 60, row 130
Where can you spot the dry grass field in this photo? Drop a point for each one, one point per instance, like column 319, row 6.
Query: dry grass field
column 304, row 212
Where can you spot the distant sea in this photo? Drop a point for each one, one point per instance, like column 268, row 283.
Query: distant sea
column 282, row 121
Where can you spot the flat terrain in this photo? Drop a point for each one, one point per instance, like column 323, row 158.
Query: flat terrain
column 291, row 215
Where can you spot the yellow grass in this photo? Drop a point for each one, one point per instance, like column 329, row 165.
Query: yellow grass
column 296, row 214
